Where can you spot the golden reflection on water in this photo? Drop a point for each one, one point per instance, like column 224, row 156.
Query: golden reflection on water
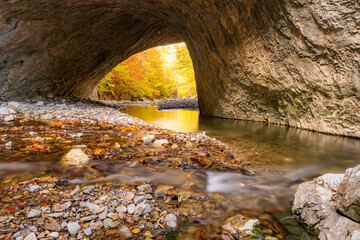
column 177, row 120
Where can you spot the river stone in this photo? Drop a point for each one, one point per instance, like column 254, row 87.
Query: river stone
column 124, row 232
column 148, row 139
column 5, row 111
column 121, row 209
column 12, row 107
column 9, row 118
column 31, row 236
column 73, row 228
column 243, row 225
column 315, row 203
column 145, row 188
column 54, row 226
column 75, row 157
column 131, row 209
column 54, row 235
column 88, row 231
column 161, row 142
column 129, row 196
column 348, row 194
column 33, row 213
column 170, row 220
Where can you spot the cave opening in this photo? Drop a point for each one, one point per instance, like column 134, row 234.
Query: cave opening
column 156, row 73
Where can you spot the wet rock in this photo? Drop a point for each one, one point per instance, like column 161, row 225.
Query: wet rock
column 33, row 213
column 88, row 218
column 12, row 107
column 34, row 188
column 31, row 236
column 96, row 209
column 9, row 118
column 5, row 111
column 104, row 214
column 113, row 216
column 65, row 206
column 54, row 235
column 109, row 223
column 129, row 196
column 96, row 225
column 124, row 232
column 131, row 208
column 48, row 116
column 54, row 226
column 121, row 209
column 75, row 157
column 88, row 231
column 148, row 139
column 315, row 203
column 243, row 225
column 161, row 142
column 89, row 189
column 348, row 194
column 139, row 199
column 139, row 209
column 73, row 228
column 145, row 188
column 170, row 221
column 229, row 228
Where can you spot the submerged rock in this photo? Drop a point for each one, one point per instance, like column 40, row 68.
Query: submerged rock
column 317, row 202
column 241, row 224
column 75, row 157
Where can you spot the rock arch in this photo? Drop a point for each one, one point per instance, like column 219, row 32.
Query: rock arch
column 293, row 62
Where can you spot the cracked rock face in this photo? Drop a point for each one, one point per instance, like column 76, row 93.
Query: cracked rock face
column 292, row 62
column 348, row 200
column 318, row 203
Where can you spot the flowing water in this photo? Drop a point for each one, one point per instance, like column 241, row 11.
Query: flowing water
column 281, row 157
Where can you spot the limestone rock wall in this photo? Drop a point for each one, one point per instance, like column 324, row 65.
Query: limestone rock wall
column 293, row 62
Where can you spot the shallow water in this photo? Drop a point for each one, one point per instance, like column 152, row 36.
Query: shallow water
column 280, row 157
column 272, row 146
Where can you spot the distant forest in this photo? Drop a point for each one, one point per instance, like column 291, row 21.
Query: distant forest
column 161, row 72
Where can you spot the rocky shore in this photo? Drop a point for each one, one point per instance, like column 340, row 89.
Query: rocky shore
column 330, row 204
column 107, row 179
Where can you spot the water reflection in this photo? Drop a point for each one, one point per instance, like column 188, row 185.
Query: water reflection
column 266, row 144
column 177, row 120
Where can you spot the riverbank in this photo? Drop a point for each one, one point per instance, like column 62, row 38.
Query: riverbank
column 162, row 104
column 128, row 179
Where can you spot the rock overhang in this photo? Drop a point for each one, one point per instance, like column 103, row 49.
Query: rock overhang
column 287, row 62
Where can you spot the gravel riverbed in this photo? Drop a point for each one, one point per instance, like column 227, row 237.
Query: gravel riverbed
column 113, row 188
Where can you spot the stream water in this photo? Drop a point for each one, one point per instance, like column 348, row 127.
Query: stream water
column 280, row 157
column 268, row 146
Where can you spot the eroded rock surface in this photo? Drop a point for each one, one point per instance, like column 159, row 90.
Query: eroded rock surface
column 348, row 200
column 292, row 62
column 318, row 203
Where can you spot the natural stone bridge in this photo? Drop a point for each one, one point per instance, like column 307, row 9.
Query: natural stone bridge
column 294, row 62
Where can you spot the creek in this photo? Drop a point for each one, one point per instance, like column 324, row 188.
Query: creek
column 281, row 156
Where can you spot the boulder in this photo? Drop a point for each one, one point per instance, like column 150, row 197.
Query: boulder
column 348, row 194
column 318, row 203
